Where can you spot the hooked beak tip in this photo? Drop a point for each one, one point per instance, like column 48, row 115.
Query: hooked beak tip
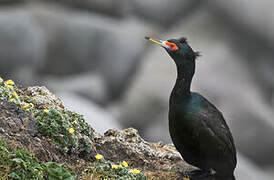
column 147, row 37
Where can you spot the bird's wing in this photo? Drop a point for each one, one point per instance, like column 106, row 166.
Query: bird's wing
column 214, row 120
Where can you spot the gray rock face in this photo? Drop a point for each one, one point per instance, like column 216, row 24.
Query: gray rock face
column 11, row 2
column 88, row 85
column 249, row 13
column 250, row 23
column 128, row 145
column 82, row 42
column 109, row 7
column 163, row 12
column 21, row 40
column 246, row 169
column 53, row 41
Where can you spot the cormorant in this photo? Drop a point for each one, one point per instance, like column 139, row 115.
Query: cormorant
column 197, row 128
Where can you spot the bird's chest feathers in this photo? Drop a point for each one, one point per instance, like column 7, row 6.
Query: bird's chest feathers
column 183, row 114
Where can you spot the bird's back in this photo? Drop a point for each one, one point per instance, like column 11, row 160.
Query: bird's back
column 200, row 133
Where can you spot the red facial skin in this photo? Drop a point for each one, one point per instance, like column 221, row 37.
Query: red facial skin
column 172, row 46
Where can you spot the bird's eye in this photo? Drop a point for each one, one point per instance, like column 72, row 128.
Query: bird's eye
column 172, row 46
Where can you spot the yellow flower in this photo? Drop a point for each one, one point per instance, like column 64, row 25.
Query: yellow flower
column 1, row 80
column 75, row 122
column 98, row 156
column 9, row 82
column 25, row 106
column 135, row 171
column 114, row 166
column 8, row 86
column 12, row 99
column 124, row 163
column 15, row 95
column 46, row 111
column 71, row 130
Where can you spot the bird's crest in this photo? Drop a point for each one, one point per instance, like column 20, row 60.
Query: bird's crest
column 182, row 40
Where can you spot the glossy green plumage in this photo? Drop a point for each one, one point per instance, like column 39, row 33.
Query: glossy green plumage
column 197, row 128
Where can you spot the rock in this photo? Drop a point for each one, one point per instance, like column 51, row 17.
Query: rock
column 19, row 130
column 100, row 119
column 117, row 8
column 85, row 42
column 19, row 120
column 258, row 56
column 42, row 98
column 88, row 85
column 246, row 169
column 125, row 48
column 11, row 2
column 252, row 13
column 163, row 12
column 21, row 41
column 128, row 145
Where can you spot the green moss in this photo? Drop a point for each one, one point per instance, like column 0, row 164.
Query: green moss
column 56, row 125
column 21, row 165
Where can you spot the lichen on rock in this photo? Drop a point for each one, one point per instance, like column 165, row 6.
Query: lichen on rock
column 42, row 98
column 52, row 133
column 128, row 145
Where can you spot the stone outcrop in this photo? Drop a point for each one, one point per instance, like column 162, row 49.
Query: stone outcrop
column 18, row 128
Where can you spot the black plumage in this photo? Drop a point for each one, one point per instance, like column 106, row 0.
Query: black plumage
column 197, row 128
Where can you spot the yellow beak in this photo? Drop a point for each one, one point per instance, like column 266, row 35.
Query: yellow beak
column 159, row 42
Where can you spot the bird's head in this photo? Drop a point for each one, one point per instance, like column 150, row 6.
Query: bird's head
column 178, row 49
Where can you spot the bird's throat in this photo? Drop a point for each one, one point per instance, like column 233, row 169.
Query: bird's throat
column 183, row 81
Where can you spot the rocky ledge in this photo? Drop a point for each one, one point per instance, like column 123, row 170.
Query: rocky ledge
column 35, row 120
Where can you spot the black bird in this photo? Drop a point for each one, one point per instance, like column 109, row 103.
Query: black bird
column 197, row 128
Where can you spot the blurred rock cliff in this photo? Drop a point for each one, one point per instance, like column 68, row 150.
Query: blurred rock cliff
column 92, row 53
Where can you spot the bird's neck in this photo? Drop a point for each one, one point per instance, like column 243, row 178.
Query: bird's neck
column 183, row 81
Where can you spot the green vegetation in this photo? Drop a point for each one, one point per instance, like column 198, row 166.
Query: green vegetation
column 71, row 134
column 24, row 166
column 21, row 165
column 55, row 171
column 68, row 130
column 7, row 91
column 102, row 169
column 5, row 162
